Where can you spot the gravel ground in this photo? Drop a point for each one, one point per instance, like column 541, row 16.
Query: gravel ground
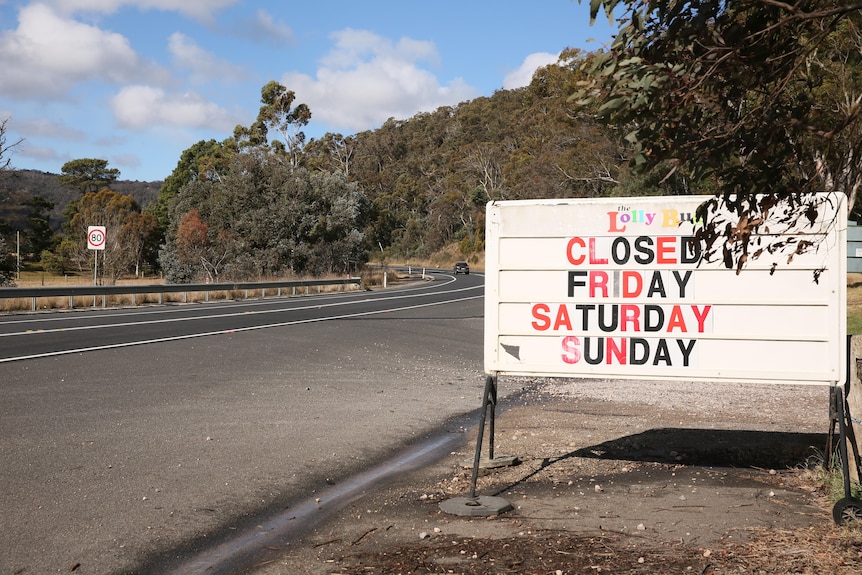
column 613, row 477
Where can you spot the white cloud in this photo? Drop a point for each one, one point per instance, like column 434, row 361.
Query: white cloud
column 203, row 65
column 47, row 55
column 141, row 107
column 201, row 10
column 43, row 127
column 367, row 79
column 524, row 74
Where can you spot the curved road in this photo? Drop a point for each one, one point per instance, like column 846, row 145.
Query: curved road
column 131, row 439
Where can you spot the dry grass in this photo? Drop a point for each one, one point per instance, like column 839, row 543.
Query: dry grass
column 854, row 303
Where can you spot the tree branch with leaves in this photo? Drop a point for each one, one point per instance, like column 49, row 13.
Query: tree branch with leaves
column 761, row 95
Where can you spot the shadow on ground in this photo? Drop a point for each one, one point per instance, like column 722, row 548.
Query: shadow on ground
column 711, row 447
column 737, row 449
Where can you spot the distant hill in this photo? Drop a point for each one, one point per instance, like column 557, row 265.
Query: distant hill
column 18, row 186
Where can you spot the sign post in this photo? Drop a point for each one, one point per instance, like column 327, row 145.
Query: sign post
column 96, row 236
column 620, row 288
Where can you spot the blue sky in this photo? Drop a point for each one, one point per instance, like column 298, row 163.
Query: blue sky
column 136, row 82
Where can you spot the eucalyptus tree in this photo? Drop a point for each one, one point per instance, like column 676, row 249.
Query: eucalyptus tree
column 205, row 160
column 88, row 174
column 763, row 96
column 264, row 218
column 277, row 112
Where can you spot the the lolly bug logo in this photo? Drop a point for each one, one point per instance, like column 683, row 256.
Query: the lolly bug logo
column 621, row 219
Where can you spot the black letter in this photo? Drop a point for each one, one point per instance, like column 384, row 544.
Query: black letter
column 627, row 252
column 573, row 283
column 585, row 310
column 601, row 352
column 659, row 317
column 643, row 245
column 662, row 353
column 689, row 250
column 634, row 358
column 682, row 282
column 614, row 317
column 656, row 285
column 686, row 350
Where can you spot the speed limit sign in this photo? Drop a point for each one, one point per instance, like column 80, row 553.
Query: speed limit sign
column 96, row 238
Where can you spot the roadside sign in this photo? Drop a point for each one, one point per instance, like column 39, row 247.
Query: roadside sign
column 617, row 288
column 96, row 237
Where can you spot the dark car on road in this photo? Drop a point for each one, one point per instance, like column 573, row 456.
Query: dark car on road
column 462, row 268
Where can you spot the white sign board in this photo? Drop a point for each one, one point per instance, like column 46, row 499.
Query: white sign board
column 616, row 288
column 96, row 237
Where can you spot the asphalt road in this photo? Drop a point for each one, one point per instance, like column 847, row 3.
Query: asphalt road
column 131, row 439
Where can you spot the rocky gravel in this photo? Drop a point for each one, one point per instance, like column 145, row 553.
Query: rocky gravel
column 612, row 477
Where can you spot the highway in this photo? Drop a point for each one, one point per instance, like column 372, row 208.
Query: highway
column 132, row 439
column 27, row 337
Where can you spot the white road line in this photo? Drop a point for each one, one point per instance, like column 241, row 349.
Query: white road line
column 211, row 305
column 221, row 315
column 229, row 331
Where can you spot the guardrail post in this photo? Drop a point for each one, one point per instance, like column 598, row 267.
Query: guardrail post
column 160, row 298
column 71, row 302
column 34, row 304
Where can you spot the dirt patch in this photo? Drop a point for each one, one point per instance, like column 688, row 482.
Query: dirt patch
column 611, row 483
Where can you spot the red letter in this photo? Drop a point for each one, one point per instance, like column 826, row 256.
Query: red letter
column 613, row 227
column 701, row 316
column 664, row 250
column 544, row 321
column 575, row 261
column 676, row 320
column 614, row 351
column 563, row 319
column 593, row 258
column 598, row 281
column 635, row 290
column 630, row 314
column 571, row 353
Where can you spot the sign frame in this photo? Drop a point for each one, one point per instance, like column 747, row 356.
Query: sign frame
column 569, row 268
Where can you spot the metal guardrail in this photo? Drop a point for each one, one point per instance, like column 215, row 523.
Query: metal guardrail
column 161, row 289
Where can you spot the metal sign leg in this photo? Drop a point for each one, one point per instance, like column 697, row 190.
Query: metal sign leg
column 847, row 509
column 473, row 505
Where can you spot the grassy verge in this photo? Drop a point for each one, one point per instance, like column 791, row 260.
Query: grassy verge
column 854, row 303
